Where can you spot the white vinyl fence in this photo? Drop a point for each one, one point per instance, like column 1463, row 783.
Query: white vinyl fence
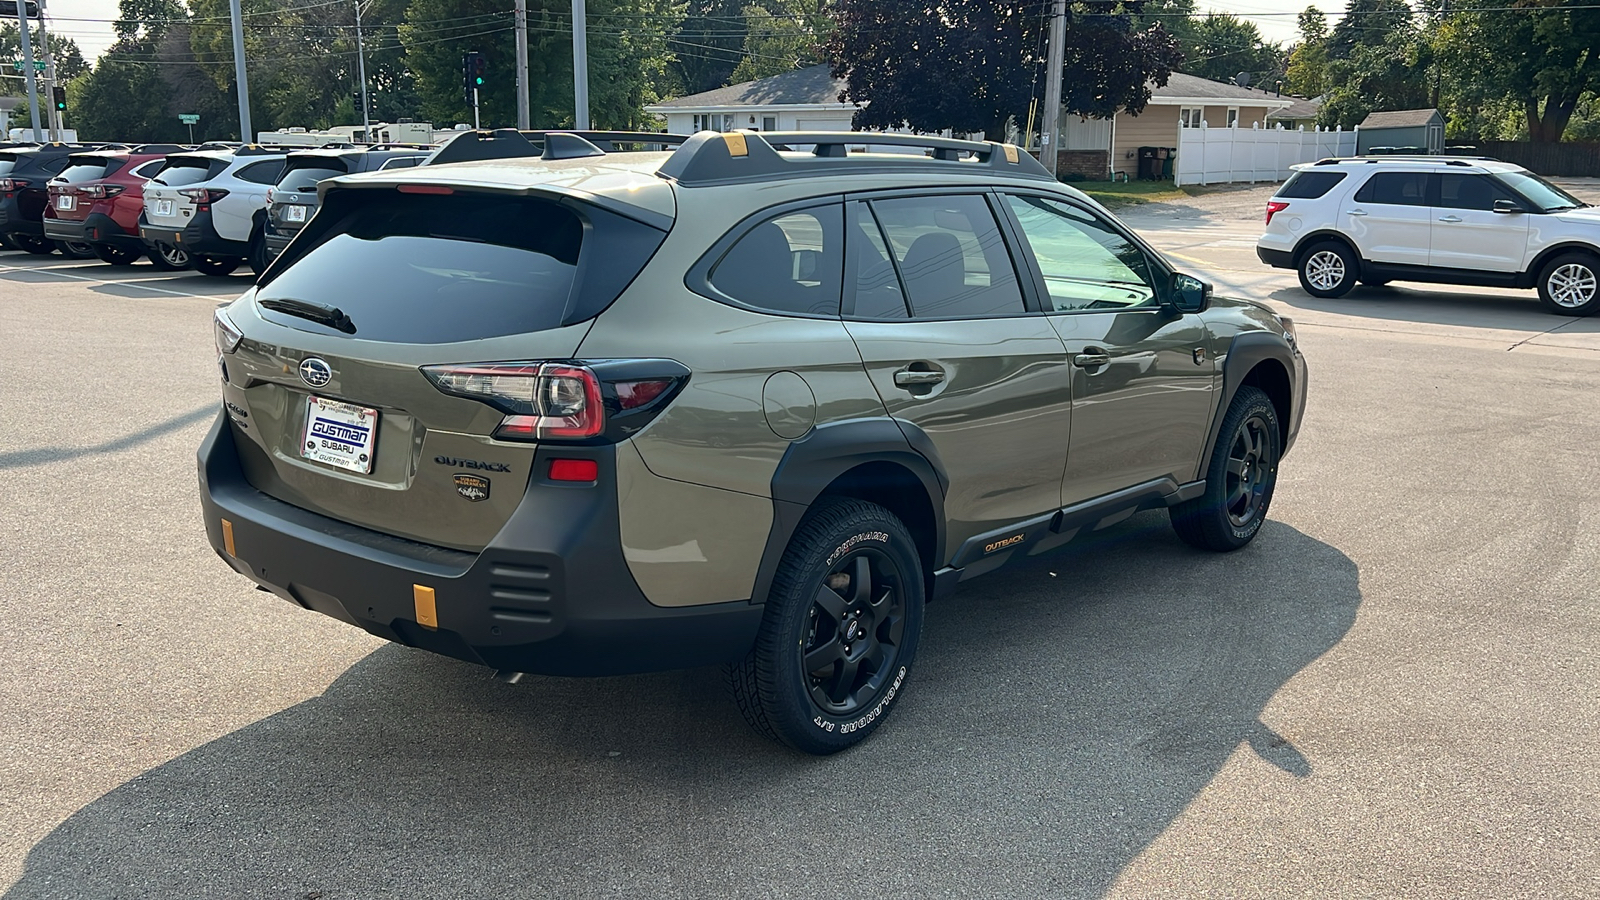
column 1220, row 155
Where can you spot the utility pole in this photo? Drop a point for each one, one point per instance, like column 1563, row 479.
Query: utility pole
column 27, row 67
column 361, row 67
column 1050, row 122
column 580, row 66
column 246, row 134
column 52, row 115
column 524, row 118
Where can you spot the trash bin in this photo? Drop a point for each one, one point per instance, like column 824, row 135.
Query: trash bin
column 1149, row 163
column 1169, row 159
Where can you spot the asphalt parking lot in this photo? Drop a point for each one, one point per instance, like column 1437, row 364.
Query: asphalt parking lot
column 1390, row 693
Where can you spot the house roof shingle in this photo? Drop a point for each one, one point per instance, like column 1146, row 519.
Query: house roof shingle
column 1302, row 109
column 1401, row 118
column 1197, row 88
column 811, row 85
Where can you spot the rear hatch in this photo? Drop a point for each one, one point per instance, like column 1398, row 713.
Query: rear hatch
column 331, row 406
column 74, row 191
column 173, row 195
column 294, row 198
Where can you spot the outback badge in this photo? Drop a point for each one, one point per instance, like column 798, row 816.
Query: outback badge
column 472, row 487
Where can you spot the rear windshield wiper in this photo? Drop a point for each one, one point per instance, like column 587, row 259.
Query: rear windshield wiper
column 321, row 313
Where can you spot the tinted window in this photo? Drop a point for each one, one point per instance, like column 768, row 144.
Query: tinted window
column 1541, row 193
column 176, row 173
column 82, row 171
column 1458, row 191
column 1395, row 189
column 950, row 256
column 436, row 269
column 54, row 165
column 149, row 169
column 306, row 178
column 1309, row 185
column 7, row 163
column 1085, row 262
column 261, row 172
column 402, row 162
column 875, row 285
column 787, row 264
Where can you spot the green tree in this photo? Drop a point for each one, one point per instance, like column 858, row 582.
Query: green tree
column 1307, row 73
column 1368, row 23
column 1540, row 53
column 1220, row 46
column 708, row 45
column 783, row 35
column 968, row 65
column 1378, row 59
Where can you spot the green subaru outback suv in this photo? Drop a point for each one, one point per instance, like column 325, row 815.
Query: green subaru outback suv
column 755, row 401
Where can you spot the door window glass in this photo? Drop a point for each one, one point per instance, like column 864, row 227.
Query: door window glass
column 877, row 288
column 1085, row 262
column 1395, row 189
column 262, row 172
column 1458, row 191
column 787, row 264
column 950, row 255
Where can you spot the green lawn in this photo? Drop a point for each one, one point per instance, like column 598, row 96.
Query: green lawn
column 1115, row 194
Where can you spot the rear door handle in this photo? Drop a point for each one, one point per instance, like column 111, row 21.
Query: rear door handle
column 1449, row 218
column 914, row 377
column 1357, row 212
column 1091, row 359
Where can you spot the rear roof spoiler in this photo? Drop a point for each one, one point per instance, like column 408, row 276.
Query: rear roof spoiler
column 508, row 143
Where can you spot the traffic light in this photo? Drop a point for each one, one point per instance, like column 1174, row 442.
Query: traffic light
column 8, row 8
column 473, row 66
column 60, row 95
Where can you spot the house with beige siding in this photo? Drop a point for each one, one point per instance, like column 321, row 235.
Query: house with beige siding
column 809, row 100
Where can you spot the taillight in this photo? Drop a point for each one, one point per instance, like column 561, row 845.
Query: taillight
column 203, row 197
column 566, row 401
column 102, row 191
column 1274, row 207
column 13, row 184
column 580, row 470
column 227, row 334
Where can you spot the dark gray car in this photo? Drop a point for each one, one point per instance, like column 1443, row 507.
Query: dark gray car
column 596, row 413
column 293, row 200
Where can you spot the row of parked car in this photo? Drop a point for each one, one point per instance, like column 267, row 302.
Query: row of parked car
column 212, row 207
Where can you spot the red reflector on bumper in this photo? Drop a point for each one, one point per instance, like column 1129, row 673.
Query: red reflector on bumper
column 574, row 470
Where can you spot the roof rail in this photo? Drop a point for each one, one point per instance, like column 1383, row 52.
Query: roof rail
column 258, row 150
column 732, row 157
column 502, row 143
column 1404, row 157
column 607, row 140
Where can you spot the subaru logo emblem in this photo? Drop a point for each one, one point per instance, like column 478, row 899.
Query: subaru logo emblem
column 315, row 371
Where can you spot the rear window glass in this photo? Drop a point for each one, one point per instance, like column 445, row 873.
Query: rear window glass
column 306, row 178
column 438, row 269
column 1309, row 185
column 177, row 173
column 80, row 172
column 7, row 163
column 1395, row 189
column 787, row 264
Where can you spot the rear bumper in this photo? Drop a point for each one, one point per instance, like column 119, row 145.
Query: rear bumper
column 100, row 228
column 1275, row 257
column 64, row 230
column 199, row 237
column 276, row 242
column 13, row 222
column 551, row 594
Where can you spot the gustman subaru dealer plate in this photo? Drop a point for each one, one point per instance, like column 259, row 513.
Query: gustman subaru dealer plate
column 340, row 434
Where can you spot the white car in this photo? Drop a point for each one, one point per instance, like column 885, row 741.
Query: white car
column 1440, row 219
column 208, row 208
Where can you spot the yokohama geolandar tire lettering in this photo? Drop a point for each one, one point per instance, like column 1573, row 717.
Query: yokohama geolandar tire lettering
column 840, row 630
column 1240, row 479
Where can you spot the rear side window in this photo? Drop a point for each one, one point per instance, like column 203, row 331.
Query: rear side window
column 177, row 173
column 950, row 256
column 149, row 169
column 261, row 172
column 305, row 178
column 429, row 269
column 1395, row 189
column 1309, row 185
column 788, row 264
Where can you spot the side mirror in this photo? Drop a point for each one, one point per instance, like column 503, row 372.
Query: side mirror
column 1189, row 294
column 1506, row 207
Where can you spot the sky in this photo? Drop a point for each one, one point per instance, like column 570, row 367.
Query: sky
column 89, row 21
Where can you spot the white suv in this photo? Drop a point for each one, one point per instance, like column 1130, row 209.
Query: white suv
column 1447, row 220
column 208, row 207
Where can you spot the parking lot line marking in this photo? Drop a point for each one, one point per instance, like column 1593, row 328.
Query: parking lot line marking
column 130, row 284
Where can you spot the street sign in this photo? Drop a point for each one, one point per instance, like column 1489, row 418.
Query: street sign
column 38, row 65
column 189, row 118
column 9, row 8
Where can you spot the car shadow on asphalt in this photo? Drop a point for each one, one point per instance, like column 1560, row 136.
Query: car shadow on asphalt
column 1064, row 713
column 19, row 459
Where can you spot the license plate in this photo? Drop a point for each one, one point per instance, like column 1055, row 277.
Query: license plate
column 340, row 434
column 294, row 213
column 65, row 201
column 163, row 207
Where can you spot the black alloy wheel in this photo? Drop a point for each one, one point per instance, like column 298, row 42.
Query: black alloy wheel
column 169, row 258
column 839, row 632
column 1239, row 479
column 117, row 256
column 34, row 244
column 76, row 249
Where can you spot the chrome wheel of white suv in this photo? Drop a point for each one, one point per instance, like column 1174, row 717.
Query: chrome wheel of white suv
column 1328, row 270
column 1570, row 286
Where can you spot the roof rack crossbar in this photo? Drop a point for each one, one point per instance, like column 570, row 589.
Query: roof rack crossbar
column 711, row 157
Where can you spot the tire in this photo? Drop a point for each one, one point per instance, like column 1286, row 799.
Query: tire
column 38, row 246
column 258, row 253
column 169, row 258
column 116, row 256
column 1240, row 479
column 216, row 265
column 864, row 646
column 1569, row 285
column 76, row 249
column 1328, row 269
column 5, row 242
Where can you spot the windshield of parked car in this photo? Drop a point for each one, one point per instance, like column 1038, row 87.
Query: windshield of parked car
column 1542, row 194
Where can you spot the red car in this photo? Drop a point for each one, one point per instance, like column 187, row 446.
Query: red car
column 96, row 200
